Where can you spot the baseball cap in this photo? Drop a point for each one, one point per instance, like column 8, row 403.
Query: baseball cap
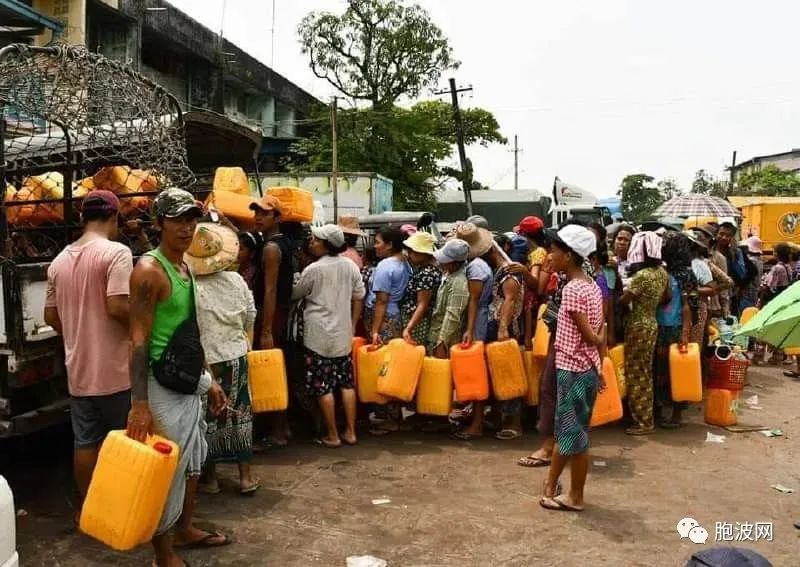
column 577, row 238
column 267, row 203
column 479, row 221
column 101, row 200
column 530, row 225
column 455, row 250
column 329, row 232
column 173, row 202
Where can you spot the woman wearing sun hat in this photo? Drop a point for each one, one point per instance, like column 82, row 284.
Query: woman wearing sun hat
column 417, row 303
column 226, row 313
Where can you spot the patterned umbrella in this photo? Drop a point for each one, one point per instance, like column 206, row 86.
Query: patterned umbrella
column 693, row 205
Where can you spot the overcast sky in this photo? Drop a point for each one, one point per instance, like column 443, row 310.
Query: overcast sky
column 594, row 90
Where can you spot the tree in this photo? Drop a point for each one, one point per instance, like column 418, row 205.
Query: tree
column 639, row 196
column 768, row 180
column 668, row 188
column 377, row 50
column 706, row 184
column 406, row 145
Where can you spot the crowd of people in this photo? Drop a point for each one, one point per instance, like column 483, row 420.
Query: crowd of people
column 178, row 326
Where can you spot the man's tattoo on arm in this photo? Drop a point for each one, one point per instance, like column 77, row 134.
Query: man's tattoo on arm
column 142, row 311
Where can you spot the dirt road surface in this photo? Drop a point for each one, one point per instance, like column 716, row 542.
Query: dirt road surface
column 454, row 503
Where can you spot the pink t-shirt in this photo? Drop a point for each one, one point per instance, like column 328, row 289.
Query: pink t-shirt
column 353, row 254
column 95, row 344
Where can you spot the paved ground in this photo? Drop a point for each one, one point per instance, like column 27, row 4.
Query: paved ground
column 468, row 504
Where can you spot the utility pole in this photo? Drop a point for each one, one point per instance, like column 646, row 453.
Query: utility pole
column 733, row 173
column 334, row 161
column 466, row 168
column 516, row 151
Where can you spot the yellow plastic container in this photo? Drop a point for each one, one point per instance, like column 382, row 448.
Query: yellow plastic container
column 232, row 179
column 748, row 314
column 470, row 375
column 713, row 334
column 792, row 351
column 506, row 370
column 269, row 389
column 297, row 204
column 435, row 388
column 234, row 206
column 128, row 490
column 533, row 371
column 541, row 337
column 370, row 365
column 720, row 407
column 608, row 403
column 357, row 343
column 684, row 374
column 402, row 366
column 617, row 356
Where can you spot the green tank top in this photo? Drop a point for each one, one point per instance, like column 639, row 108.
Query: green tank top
column 170, row 313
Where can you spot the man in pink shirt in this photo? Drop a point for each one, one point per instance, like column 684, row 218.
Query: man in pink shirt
column 87, row 303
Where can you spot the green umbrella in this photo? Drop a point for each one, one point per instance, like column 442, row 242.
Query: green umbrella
column 779, row 322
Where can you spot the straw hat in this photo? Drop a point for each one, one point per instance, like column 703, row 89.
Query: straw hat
column 697, row 237
column 479, row 239
column 214, row 249
column 349, row 225
column 421, row 242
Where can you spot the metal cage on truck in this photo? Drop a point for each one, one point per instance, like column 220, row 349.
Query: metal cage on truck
column 72, row 121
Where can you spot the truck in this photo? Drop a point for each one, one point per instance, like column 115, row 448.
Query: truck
column 66, row 115
column 359, row 194
column 572, row 201
column 772, row 219
column 503, row 209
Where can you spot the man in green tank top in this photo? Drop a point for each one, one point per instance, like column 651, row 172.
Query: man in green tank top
column 162, row 298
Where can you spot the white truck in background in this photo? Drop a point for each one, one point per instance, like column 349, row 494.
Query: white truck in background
column 571, row 201
column 360, row 194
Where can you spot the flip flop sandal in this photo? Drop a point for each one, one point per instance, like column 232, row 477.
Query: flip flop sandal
column 378, row 431
column 533, row 462
column 250, row 490
column 327, row 444
column 463, row 436
column 638, row 431
column 791, row 374
column 508, row 434
column 206, row 542
column 558, row 505
column 348, row 443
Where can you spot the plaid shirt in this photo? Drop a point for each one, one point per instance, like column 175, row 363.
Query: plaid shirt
column 450, row 314
column 572, row 352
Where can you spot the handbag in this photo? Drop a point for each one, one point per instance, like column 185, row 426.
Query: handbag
column 181, row 364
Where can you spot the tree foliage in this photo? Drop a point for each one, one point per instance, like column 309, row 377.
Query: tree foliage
column 406, row 145
column 377, row 50
column 668, row 188
column 639, row 196
column 706, row 184
column 768, row 180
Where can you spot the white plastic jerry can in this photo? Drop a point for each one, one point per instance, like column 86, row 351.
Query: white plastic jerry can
column 8, row 529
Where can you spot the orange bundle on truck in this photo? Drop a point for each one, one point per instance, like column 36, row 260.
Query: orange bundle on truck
column 772, row 219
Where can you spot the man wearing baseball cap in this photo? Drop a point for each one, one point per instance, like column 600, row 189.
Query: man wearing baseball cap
column 87, row 303
column 166, row 367
column 449, row 315
column 580, row 333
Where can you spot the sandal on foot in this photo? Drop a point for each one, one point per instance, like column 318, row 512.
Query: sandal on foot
column 670, row 424
column 533, row 462
column 791, row 374
column 327, row 444
column 508, row 434
column 247, row 491
column 348, row 442
column 206, row 542
column 463, row 436
column 210, row 488
column 639, row 430
column 558, row 504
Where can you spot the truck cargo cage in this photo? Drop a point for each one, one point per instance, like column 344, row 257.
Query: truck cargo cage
column 74, row 121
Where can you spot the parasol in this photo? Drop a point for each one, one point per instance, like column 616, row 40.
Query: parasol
column 693, row 205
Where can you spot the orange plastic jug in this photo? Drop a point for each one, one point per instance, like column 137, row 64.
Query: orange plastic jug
column 720, row 407
column 402, row 366
column 533, row 371
column 128, row 490
column 297, row 205
column 232, row 179
column 234, row 206
column 684, row 374
column 122, row 180
column 470, row 375
column 370, row 364
column 358, row 342
column 269, row 389
column 506, row 370
column 748, row 314
column 541, row 337
column 435, row 389
column 607, row 404
column 792, row 351
column 617, row 356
